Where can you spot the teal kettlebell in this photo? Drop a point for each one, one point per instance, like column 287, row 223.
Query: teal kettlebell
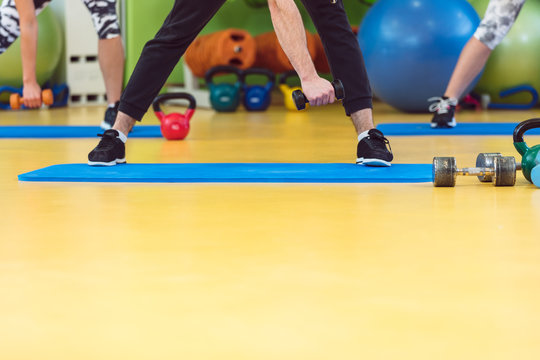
column 530, row 155
column 224, row 97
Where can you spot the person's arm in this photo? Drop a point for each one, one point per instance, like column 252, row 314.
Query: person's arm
column 29, row 36
column 291, row 34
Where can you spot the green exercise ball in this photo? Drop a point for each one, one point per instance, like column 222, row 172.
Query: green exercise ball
column 368, row 2
column 516, row 60
column 49, row 50
column 257, row 3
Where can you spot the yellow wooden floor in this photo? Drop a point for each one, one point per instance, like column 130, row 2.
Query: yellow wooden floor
column 268, row 271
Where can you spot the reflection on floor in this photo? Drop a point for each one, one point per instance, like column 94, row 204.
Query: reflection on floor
column 266, row 271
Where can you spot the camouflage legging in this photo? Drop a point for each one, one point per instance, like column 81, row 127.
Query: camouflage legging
column 499, row 18
column 103, row 14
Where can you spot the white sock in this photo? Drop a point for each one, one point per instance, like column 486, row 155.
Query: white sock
column 111, row 106
column 122, row 136
column 363, row 135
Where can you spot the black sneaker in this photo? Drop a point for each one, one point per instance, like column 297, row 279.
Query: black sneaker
column 372, row 150
column 110, row 150
column 110, row 116
column 444, row 109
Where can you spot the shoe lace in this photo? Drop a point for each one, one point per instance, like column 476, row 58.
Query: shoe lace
column 106, row 138
column 380, row 137
column 440, row 105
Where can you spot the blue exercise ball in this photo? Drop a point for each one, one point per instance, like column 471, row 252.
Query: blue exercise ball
column 410, row 48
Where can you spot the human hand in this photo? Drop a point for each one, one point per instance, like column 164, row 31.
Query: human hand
column 32, row 95
column 318, row 91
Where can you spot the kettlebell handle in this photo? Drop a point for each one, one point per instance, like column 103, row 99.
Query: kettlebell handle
column 226, row 69
column 258, row 71
column 520, row 130
column 283, row 77
column 156, row 105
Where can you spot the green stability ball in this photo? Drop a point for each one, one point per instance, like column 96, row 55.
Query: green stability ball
column 516, row 60
column 49, row 50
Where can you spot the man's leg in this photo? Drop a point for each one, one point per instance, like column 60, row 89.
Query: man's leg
column 345, row 58
column 347, row 64
column 158, row 58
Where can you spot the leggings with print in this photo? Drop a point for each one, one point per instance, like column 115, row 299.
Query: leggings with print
column 499, row 18
column 103, row 14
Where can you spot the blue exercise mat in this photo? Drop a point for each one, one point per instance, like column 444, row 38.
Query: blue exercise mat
column 60, row 131
column 413, row 129
column 233, row 173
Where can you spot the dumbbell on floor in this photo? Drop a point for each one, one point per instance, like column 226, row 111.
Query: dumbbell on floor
column 486, row 160
column 502, row 172
column 16, row 101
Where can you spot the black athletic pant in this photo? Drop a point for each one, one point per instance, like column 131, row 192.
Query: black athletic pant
column 187, row 18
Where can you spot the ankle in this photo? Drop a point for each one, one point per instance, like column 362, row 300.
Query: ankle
column 363, row 135
column 123, row 129
column 121, row 136
column 123, row 123
column 449, row 97
column 363, row 132
column 362, row 120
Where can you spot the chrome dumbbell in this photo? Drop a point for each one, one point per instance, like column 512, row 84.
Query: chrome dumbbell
column 501, row 173
column 486, row 160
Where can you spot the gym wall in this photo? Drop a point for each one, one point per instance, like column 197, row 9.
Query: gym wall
column 142, row 19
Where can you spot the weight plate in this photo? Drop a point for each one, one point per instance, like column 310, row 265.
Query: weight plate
column 299, row 99
column 339, row 90
column 444, row 172
column 505, row 171
column 484, row 160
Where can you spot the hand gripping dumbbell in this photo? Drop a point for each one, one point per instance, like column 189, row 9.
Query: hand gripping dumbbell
column 502, row 172
column 300, row 100
column 16, row 101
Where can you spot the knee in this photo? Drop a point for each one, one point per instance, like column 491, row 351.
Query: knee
column 104, row 18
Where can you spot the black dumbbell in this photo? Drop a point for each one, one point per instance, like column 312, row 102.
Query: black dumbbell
column 502, row 172
column 300, row 99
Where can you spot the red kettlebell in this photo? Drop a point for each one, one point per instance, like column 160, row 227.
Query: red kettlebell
column 174, row 126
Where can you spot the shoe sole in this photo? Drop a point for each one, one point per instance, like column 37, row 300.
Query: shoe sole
column 110, row 163
column 373, row 162
column 105, row 125
column 451, row 124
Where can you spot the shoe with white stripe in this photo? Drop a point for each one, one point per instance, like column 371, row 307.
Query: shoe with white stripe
column 110, row 150
column 110, row 116
column 444, row 109
column 372, row 150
